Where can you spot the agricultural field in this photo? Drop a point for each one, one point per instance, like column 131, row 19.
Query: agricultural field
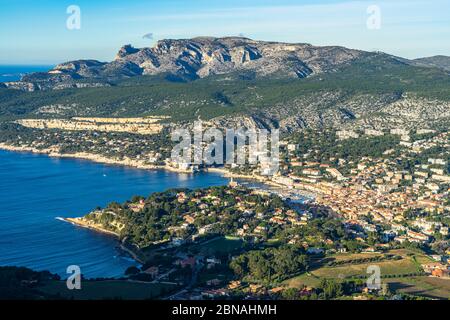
column 397, row 272
column 431, row 287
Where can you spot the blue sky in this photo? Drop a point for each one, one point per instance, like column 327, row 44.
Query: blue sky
column 35, row 32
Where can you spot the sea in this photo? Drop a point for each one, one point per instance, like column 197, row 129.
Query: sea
column 37, row 191
column 15, row 72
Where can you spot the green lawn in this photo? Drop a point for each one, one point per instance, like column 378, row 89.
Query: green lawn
column 308, row 280
column 109, row 289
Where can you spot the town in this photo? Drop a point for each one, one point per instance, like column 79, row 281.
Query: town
column 340, row 198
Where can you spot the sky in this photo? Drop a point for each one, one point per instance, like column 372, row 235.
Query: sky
column 36, row 32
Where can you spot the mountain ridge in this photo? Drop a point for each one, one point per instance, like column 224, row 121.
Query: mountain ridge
column 238, row 81
column 191, row 59
column 438, row 61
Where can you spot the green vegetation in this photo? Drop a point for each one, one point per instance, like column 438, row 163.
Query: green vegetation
column 229, row 94
column 162, row 215
column 69, row 142
column 23, row 283
column 271, row 264
column 435, row 288
column 397, row 267
column 327, row 146
column 218, row 247
column 109, row 289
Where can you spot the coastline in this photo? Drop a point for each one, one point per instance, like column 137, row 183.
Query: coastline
column 263, row 180
column 227, row 174
column 83, row 223
column 140, row 165
column 92, row 157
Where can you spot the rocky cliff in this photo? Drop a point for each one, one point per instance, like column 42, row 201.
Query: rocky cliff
column 192, row 59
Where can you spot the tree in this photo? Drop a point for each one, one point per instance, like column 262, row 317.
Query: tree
column 331, row 289
column 290, row 294
column 385, row 289
column 131, row 271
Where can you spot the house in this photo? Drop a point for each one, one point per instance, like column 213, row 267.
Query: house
column 184, row 166
column 417, row 237
column 311, row 172
column 181, row 197
column 400, row 239
column 211, row 294
column 284, row 180
column 137, row 207
column 29, row 282
column 335, row 173
column 276, row 290
column 277, row 220
column 306, row 291
column 440, row 273
column 233, row 184
column 441, row 162
column 177, row 242
column 152, row 271
column 291, row 147
column 234, row 284
column 259, row 229
column 430, row 267
column 436, row 257
column 191, row 261
column 213, row 282
column 189, row 219
column 342, row 250
column 255, row 288
column 315, row 251
column 212, row 262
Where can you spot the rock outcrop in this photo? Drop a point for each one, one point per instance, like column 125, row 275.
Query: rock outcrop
column 192, row 59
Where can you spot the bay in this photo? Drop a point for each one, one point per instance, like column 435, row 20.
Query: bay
column 36, row 189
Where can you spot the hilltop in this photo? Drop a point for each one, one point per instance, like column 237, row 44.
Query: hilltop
column 239, row 81
column 190, row 59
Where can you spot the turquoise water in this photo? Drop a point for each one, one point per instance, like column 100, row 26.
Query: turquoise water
column 35, row 190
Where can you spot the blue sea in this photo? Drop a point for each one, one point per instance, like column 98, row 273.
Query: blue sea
column 14, row 73
column 35, row 190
